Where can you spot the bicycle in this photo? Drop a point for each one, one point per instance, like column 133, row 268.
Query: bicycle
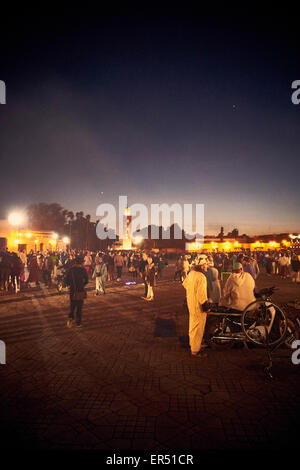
column 262, row 323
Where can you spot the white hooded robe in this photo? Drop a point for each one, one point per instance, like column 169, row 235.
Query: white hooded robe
column 238, row 291
column 196, row 293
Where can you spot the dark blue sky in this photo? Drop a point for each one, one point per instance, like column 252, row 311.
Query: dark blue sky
column 181, row 107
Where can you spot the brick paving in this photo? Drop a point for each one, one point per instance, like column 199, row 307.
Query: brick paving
column 115, row 384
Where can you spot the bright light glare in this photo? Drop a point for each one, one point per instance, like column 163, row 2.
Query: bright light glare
column 15, row 218
column 138, row 239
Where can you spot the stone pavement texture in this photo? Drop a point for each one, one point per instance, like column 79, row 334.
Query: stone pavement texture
column 116, row 384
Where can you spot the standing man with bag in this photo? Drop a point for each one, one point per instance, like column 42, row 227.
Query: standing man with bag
column 76, row 278
column 119, row 262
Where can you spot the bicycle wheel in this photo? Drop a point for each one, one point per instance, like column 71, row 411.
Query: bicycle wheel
column 264, row 322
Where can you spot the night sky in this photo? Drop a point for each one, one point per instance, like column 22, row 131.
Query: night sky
column 180, row 106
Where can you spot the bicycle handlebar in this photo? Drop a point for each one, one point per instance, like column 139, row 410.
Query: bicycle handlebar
column 267, row 291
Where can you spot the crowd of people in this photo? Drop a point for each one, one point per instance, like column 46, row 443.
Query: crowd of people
column 285, row 264
column 200, row 274
column 19, row 270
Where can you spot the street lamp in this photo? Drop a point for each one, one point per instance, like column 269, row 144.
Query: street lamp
column 67, row 241
column 15, row 219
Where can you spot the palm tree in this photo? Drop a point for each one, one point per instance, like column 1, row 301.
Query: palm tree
column 88, row 219
column 43, row 216
column 70, row 217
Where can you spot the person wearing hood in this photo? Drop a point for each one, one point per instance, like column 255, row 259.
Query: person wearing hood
column 195, row 285
column 100, row 274
column 185, row 267
column 238, row 290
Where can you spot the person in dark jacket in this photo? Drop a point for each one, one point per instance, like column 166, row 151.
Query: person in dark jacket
column 76, row 278
column 16, row 269
column 160, row 267
column 142, row 269
column 110, row 267
column 47, row 269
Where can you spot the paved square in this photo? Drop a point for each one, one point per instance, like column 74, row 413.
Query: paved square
column 124, row 382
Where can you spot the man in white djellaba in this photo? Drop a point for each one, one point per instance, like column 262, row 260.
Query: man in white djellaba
column 238, row 291
column 196, row 294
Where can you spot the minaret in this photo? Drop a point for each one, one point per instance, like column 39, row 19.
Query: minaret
column 221, row 234
column 127, row 244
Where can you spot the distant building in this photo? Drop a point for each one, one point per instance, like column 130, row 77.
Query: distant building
column 222, row 243
column 15, row 239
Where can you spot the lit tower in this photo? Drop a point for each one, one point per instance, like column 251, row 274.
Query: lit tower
column 127, row 244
